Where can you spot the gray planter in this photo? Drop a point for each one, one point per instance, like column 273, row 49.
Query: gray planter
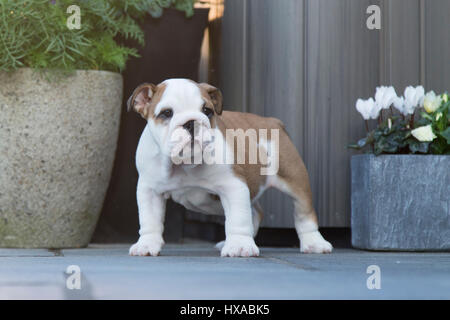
column 401, row 202
column 57, row 147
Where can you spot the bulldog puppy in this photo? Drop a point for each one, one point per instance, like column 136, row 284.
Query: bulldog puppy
column 184, row 115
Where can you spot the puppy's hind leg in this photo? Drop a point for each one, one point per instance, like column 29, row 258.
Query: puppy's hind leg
column 293, row 179
column 311, row 241
column 305, row 219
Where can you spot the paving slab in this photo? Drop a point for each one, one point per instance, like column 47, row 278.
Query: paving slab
column 12, row 252
column 195, row 271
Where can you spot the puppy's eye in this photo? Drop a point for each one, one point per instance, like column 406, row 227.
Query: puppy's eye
column 166, row 114
column 207, row 111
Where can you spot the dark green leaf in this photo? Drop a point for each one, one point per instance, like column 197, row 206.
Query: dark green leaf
column 427, row 116
column 417, row 146
column 446, row 134
column 439, row 146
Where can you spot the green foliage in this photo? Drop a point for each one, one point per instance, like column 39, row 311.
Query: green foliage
column 440, row 123
column 388, row 139
column 394, row 135
column 33, row 33
column 156, row 7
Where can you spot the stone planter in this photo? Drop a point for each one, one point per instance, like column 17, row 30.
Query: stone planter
column 57, row 146
column 401, row 202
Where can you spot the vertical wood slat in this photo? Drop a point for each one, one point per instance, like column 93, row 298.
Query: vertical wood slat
column 437, row 45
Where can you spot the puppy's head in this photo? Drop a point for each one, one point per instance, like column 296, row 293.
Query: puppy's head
column 180, row 114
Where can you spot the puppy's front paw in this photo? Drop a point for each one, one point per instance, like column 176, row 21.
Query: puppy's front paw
column 239, row 246
column 313, row 242
column 147, row 245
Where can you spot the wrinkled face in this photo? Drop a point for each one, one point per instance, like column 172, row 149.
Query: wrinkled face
column 180, row 114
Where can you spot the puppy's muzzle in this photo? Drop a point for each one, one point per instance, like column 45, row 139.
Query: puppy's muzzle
column 190, row 127
column 190, row 133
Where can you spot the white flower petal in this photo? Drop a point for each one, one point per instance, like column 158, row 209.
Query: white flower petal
column 385, row 96
column 375, row 111
column 432, row 102
column 424, row 134
column 413, row 98
column 399, row 104
column 365, row 107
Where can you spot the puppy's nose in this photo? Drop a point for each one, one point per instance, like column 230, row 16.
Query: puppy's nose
column 189, row 126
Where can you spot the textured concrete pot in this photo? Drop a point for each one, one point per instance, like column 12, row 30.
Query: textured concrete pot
column 57, row 147
column 401, row 202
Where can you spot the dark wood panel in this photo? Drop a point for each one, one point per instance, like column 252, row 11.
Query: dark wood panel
column 275, row 81
column 437, row 45
column 401, row 44
column 232, row 71
column 342, row 65
column 307, row 62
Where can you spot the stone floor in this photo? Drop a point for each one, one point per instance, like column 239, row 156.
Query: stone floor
column 195, row 271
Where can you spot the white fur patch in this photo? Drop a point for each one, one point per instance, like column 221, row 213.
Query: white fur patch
column 147, row 245
column 313, row 242
column 239, row 246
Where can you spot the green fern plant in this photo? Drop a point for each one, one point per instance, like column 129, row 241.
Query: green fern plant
column 33, row 33
column 156, row 7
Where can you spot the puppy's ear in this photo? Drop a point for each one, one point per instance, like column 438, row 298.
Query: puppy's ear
column 141, row 98
column 215, row 95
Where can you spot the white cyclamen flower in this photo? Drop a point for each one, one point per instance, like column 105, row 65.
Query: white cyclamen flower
column 385, row 97
column 432, row 102
column 413, row 98
column 375, row 110
column 424, row 134
column 368, row 108
column 365, row 107
column 399, row 104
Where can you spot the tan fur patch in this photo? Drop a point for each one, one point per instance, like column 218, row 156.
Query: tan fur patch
column 292, row 170
column 154, row 101
column 250, row 173
column 145, row 98
column 212, row 96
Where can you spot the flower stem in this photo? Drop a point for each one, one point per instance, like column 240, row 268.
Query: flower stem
column 411, row 121
column 367, row 125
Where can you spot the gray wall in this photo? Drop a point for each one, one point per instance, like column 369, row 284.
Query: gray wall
column 307, row 61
